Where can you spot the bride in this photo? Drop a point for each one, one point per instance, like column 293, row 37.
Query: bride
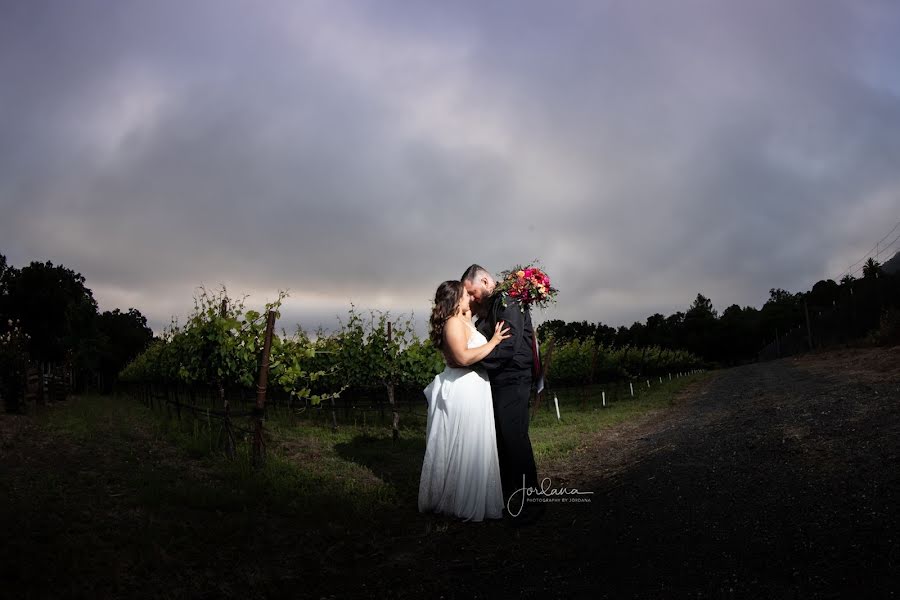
column 461, row 472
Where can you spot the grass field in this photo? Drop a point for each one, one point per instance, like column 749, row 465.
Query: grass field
column 309, row 465
column 103, row 492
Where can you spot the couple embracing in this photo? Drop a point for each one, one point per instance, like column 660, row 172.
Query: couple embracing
column 478, row 458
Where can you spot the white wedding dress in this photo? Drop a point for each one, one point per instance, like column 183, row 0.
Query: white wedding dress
column 461, row 473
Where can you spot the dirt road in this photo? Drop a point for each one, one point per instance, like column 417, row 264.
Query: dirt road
column 772, row 480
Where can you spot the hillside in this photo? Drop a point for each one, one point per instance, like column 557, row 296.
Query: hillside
column 892, row 265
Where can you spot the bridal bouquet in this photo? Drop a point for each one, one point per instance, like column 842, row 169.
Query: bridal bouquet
column 529, row 285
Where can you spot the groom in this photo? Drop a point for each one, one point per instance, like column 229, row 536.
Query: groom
column 510, row 368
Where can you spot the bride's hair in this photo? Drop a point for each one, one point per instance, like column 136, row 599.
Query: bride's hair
column 446, row 302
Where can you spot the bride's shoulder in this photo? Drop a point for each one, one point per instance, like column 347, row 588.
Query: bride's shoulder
column 456, row 325
column 455, row 322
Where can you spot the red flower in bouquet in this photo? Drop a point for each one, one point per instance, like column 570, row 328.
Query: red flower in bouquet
column 530, row 285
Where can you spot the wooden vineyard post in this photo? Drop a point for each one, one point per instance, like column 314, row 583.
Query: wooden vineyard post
column 395, row 414
column 226, row 421
column 259, row 456
column 333, row 416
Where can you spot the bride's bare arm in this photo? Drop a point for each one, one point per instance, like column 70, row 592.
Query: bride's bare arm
column 456, row 342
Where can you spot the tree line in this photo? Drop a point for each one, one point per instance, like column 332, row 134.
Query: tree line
column 833, row 312
column 49, row 316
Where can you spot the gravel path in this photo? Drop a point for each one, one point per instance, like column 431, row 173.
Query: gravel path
column 772, row 480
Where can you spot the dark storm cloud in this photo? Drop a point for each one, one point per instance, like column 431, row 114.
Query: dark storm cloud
column 646, row 151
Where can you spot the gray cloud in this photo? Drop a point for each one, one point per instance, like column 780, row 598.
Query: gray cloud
column 364, row 152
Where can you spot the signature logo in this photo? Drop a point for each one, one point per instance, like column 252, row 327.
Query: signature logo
column 545, row 492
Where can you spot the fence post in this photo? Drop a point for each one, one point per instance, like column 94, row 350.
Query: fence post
column 395, row 414
column 259, row 456
column 333, row 415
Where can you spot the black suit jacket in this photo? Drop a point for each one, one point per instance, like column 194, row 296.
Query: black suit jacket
column 512, row 361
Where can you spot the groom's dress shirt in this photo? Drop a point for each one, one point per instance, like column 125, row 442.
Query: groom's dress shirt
column 512, row 361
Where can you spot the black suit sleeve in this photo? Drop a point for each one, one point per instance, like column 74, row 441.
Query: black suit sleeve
column 514, row 318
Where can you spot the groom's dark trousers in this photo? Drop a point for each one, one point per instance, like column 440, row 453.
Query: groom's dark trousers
column 510, row 369
column 514, row 450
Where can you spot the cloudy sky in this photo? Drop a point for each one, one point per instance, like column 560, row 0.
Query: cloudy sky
column 364, row 151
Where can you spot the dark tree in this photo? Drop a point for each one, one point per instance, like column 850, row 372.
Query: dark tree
column 554, row 328
column 700, row 328
column 604, row 335
column 656, row 327
column 623, row 337
column 739, row 334
column 674, row 329
column 7, row 274
column 563, row 331
column 872, row 269
column 123, row 335
column 824, row 294
column 702, row 309
column 57, row 310
column 782, row 312
column 638, row 334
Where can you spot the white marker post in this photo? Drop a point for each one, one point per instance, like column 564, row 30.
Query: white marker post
column 670, row 377
column 556, row 402
column 631, row 387
column 660, row 379
column 604, row 399
column 648, row 384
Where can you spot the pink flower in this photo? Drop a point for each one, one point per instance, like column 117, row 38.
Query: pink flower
column 528, row 285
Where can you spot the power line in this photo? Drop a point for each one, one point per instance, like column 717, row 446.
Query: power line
column 851, row 270
column 866, row 255
column 888, row 247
